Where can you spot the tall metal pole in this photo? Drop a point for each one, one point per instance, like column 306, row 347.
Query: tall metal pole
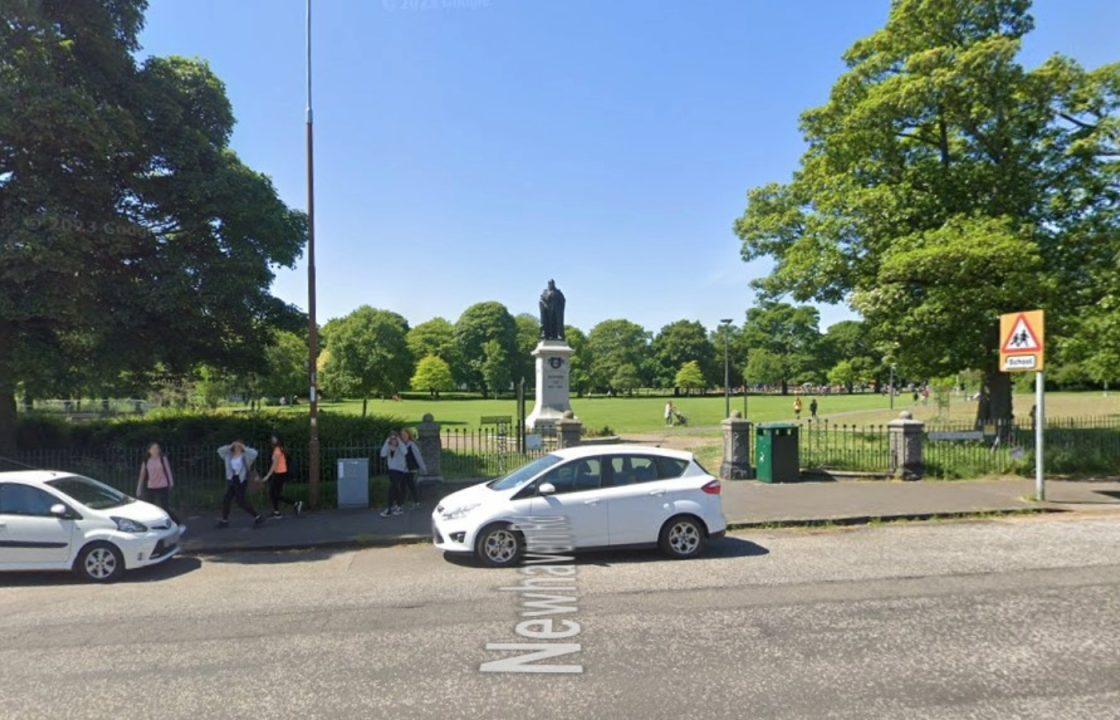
column 1039, row 426
column 312, row 324
column 726, row 368
column 890, row 387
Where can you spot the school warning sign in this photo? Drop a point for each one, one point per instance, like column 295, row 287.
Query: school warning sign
column 1022, row 341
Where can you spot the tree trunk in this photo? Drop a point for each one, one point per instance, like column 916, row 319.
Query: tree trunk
column 365, row 402
column 785, row 387
column 995, row 398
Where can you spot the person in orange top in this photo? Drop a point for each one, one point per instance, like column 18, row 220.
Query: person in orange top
column 276, row 477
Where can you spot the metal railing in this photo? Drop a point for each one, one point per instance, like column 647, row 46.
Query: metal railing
column 824, row 444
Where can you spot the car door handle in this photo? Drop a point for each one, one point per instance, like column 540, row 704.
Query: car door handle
column 590, row 502
column 657, row 493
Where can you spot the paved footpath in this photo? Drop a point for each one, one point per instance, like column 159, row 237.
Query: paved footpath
column 1006, row 618
column 745, row 503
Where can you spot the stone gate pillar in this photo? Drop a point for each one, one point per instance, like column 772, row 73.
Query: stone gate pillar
column 736, row 464
column 569, row 430
column 907, row 436
column 431, row 449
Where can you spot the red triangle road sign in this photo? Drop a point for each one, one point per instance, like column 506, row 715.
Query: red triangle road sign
column 1022, row 338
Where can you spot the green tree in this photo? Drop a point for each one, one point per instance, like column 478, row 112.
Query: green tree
column 944, row 184
column 612, row 344
column 132, row 234
column 844, row 373
column 436, row 337
column 690, row 377
column 211, row 388
column 286, row 360
column 478, row 325
column 433, row 375
column 625, row 378
column 368, row 355
column 495, row 368
column 528, row 335
column 790, row 336
column 681, row 342
column 766, row 368
column 579, row 376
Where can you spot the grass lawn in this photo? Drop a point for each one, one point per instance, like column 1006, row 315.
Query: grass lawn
column 644, row 415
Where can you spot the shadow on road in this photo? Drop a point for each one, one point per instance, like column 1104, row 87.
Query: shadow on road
column 173, row 568
column 723, row 548
column 275, row 557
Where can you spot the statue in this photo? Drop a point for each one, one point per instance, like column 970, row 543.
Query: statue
column 552, row 313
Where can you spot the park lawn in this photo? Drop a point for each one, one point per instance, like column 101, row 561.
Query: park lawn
column 645, row 414
column 620, row 414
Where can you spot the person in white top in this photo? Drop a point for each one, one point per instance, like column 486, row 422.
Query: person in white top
column 393, row 452
column 669, row 412
column 239, row 461
column 415, row 462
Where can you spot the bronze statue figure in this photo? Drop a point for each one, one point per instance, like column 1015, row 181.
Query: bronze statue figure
column 552, row 313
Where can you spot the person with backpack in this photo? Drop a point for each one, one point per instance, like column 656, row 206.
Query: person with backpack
column 275, row 478
column 238, row 461
column 394, row 455
column 415, row 462
column 156, row 481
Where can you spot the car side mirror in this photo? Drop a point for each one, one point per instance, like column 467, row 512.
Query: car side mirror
column 59, row 510
column 547, row 489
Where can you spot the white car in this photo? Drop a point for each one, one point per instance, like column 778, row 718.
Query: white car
column 60, row 521
column 602, row 496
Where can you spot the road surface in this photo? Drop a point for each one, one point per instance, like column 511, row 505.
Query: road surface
column 1012, row 618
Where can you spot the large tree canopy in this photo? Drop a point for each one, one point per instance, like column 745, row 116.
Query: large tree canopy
column 945, row 183
column 131, row 233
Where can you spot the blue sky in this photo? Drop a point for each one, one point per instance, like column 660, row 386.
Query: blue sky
column 469, row 150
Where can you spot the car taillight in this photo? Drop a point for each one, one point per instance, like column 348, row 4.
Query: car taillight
column 712, row 488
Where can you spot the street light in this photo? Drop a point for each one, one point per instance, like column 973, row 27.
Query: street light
column 312, row 324
column 726, row 324
column 890, row 386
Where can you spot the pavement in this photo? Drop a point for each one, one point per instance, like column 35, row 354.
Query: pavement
column 1013, row 617
column 746, row 504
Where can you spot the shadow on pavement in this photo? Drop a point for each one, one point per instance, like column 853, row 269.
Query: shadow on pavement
column 723, row 548
column 173, row 568
column 275, row 557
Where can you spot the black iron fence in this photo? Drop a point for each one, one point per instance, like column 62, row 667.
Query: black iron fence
column 963, row 449
column 844, row 446
column 485, row 452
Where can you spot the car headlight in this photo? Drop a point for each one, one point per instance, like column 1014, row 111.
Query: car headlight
column 129, row 526
column 459, row 512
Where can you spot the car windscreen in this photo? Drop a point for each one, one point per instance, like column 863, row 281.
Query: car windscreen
column 526, row 472
column 90, row 493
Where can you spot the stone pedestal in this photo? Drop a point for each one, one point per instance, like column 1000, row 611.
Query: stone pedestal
column 906, row 438
column 736, row 464
column 553, row 361
column 569, row 430
column 431, row 450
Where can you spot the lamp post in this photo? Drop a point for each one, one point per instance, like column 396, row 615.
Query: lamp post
column 312, row 324
column 890, row 386
column 726, row 325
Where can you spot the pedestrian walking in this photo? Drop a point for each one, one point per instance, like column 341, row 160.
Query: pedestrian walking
column 275, row 478
column 394, row 455
column 813, row 408
column 156, row 481
column 670, row 412
column 415, row 462
column 797, row 408
column 239, row 461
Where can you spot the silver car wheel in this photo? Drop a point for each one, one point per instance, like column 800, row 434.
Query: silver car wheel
column 500, row 546
column 101, row 563
column 684, row 538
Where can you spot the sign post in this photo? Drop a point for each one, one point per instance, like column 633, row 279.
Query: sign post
column 1022, row 349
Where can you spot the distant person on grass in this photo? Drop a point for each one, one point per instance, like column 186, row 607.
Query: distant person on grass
column 797, row 407
column 415, row 462
column 813, row 408
column 239, row 467
column 670, row 411
column 156, row 481
column 276, row 476
column 394, row 454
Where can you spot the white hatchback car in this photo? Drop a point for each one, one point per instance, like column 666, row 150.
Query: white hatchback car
column 59, row 521
column 605, row 496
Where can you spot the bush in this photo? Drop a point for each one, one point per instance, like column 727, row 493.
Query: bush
column 177, row 427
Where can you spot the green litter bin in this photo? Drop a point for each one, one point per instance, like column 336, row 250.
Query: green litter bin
column 775, row 453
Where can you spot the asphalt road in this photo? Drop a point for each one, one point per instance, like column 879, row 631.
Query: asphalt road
column 1012, row 618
